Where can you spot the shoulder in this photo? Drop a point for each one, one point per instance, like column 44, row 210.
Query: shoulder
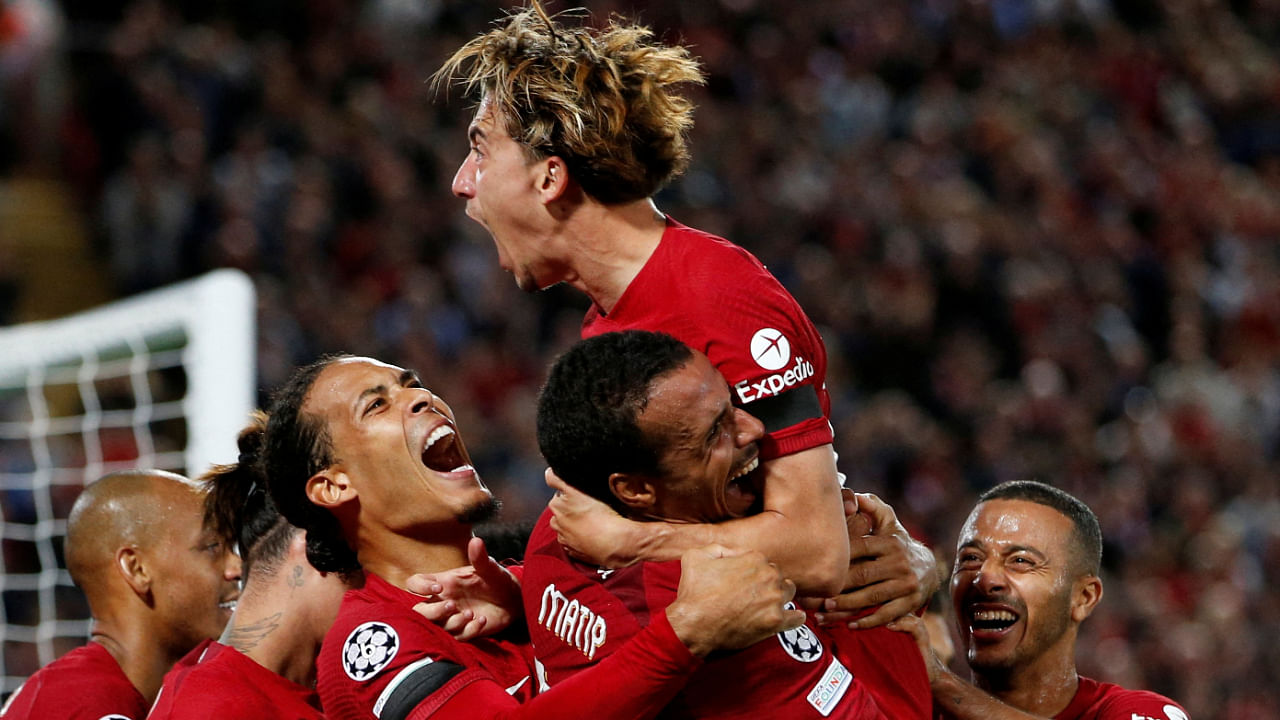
column 1108, row 701
column 85, row 683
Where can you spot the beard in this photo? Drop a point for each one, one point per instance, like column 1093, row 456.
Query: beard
column 482, row 511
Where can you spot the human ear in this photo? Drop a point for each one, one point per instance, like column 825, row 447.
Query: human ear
column 634, row 491
column 554, row 179
column 130, row 565
column 1088, row 592
column 329, row 488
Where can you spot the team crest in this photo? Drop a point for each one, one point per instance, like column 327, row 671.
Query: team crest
column 369, row 649
column 800, row 643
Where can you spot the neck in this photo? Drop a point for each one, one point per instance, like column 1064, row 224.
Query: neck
column 141, row 658
column 273, row 624
column 609, row 244
column 395, row 557
column 1042, row 688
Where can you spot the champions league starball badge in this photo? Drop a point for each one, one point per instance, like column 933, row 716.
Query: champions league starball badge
column 368, row 649
column 800, row 643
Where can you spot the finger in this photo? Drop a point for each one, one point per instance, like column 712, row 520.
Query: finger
column 425, row 585
column 437, row 611
column 869, row 596
column 788, row 591
column 883, row 519
column 792, row 619
column 868, row 546
column 458, row 622
column 884, row 614
column 554, row 482
column 850, row 500
column 473, row 629
column 810, row 603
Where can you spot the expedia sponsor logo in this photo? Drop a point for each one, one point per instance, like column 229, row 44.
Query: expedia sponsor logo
column 572, row 622
column 770, row 349
column 771, row 385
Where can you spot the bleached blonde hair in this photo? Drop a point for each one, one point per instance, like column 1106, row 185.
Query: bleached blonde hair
column 603, row 100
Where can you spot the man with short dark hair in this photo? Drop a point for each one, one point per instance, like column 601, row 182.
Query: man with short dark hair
column 158, row 583
column 1026, row 576
column 645, row 424
column 371, row 464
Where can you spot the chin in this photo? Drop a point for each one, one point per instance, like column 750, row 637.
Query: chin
column 483, row 510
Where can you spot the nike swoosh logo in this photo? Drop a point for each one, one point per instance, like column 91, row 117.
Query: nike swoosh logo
column 516, row 688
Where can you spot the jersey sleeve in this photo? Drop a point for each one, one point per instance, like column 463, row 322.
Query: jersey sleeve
column 1140, row 705
column 773, row 358
column 635, row 682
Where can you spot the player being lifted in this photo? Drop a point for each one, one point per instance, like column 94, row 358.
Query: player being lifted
column 575, row 131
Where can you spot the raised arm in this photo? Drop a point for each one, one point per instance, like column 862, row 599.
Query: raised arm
column 801, row 529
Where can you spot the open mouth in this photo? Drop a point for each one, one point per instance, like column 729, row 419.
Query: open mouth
column 443, row 452
column 228, row 605
column 991, row 621
column 743, row 489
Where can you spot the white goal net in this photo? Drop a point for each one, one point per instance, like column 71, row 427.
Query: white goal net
column 164, row 380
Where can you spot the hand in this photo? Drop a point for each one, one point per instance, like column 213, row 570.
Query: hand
column 886, row 567
column 917, row 628
column 588, row 529
column 730, row 599
column 472, row 601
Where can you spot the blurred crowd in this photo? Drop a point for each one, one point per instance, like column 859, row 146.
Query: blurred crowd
column 1040, row 237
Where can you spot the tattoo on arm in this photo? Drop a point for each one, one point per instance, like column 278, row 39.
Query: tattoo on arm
column 247, row 637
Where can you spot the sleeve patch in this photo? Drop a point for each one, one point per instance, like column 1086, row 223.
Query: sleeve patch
column 369, row 649
column 779, row 412
column 414, row 684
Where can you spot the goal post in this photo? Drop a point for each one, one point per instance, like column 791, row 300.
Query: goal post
column 164, row 379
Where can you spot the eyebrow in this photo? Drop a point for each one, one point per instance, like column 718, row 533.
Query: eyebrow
column 405, row 379
column 974, row 544
column 474, row 133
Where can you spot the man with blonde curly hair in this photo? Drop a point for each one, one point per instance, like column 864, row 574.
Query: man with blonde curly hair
column 575, row 131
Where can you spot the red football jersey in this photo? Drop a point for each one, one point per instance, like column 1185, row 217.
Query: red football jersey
column 578, row 615
column 383, row 660
column 719, row 299
column 1104, row 701
column 85, row 684
column 214, row 682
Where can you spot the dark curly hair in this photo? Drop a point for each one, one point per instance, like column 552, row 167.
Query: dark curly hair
column 587, row 409
column 296, row 446
column 237, row 507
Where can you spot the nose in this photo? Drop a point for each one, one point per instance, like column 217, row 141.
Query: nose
column 990, row 577
column 232, row 569
column 464, row 181
column 424, row 402
column 750, row 429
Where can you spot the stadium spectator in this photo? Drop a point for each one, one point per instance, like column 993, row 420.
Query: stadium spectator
column 577, row 129
column 158, row 583
column 371, row 465
column 1026, row 575
column 642, row 422
column 264, row 665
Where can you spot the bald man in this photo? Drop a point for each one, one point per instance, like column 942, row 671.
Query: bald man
column 158, row 583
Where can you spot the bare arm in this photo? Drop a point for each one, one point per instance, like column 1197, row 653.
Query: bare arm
column 802, row 528
column 952, row 696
